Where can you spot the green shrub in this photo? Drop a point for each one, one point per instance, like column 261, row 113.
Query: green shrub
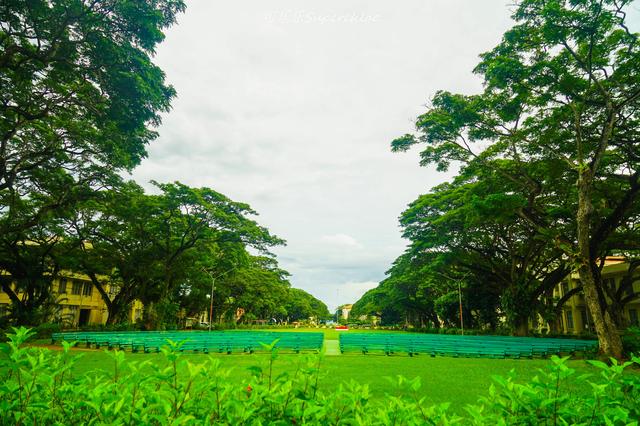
column 44, row 331
column 631, row 341
column 38, row 386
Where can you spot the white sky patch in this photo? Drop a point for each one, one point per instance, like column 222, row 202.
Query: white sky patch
column 291, row 107
column 345, row 293
column 341, row 240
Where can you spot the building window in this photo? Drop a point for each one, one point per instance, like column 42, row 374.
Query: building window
column 569, row 320
column 73, row 311
column 62, row 286
column 633, row 317
column 87, row 289
column 565, row 288
column 77, row 288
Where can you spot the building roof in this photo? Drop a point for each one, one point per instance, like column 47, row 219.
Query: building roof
column 614, row 260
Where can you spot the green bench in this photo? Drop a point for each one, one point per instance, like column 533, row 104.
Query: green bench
column 205, row 342
column 461, row 346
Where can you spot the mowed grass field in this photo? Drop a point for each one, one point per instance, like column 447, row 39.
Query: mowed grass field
column 457, row 380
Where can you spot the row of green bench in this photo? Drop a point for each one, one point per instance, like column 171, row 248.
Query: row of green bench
column 462, row 346
column 221, row 342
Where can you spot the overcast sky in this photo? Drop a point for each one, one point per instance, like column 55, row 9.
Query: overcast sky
column 291, row 106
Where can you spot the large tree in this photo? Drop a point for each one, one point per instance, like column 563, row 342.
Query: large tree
column 407, row 295
column 300, row 306
column 79, row 97
column 31, row 262
column 148, row 245
column 562, row 87
column 474, row 222
column 79, row 94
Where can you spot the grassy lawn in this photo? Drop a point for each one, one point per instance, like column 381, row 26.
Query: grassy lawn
column 457, row 380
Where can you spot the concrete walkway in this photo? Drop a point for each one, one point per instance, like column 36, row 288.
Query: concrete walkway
column 332, row 347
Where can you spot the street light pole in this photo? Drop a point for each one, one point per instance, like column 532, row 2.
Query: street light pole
column 459, row 295
column 460, row 300
column 213, row 283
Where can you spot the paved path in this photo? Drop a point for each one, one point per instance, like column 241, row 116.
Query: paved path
column 332, row 347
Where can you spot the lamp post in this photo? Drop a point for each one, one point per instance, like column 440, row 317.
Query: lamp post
column 213, row 285
column 459, row 295
column 460, row 302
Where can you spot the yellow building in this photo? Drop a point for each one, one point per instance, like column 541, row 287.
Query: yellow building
column 79, row 302
column 575, row 317
column 343, row 311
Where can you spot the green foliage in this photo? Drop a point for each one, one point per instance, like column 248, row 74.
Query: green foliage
column 40, row 386
column 81, row 99
column 44, row 331
column 165, row 249
column 631, row 341
column 406, row 296
column 300, row 306
column 447, row 308
column 545, row 400
column 552, row 138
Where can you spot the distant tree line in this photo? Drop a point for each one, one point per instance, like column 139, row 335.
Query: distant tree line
column 80, row 100
column 548, row 180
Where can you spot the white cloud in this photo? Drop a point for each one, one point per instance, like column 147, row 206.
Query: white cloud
column 341, row 240
column 352, row 291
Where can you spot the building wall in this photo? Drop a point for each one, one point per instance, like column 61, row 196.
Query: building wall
column 575, row 317
column 343, row 311
column 79, row 302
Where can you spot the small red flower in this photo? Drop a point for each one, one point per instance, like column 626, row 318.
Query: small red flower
column 249, row 389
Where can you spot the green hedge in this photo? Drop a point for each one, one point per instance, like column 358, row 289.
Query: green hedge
column 38, row 386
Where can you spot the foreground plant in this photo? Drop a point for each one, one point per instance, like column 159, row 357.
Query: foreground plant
column 39, row 386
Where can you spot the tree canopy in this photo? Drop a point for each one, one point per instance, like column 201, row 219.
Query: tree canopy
column 557, row 126
column 79, row 102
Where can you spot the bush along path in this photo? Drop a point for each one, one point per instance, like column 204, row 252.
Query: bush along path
column 38, row 386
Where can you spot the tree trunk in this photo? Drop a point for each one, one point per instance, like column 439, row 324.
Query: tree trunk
column 17, row 306
column 115, row 313
column 608, row 337
column 103, row 294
